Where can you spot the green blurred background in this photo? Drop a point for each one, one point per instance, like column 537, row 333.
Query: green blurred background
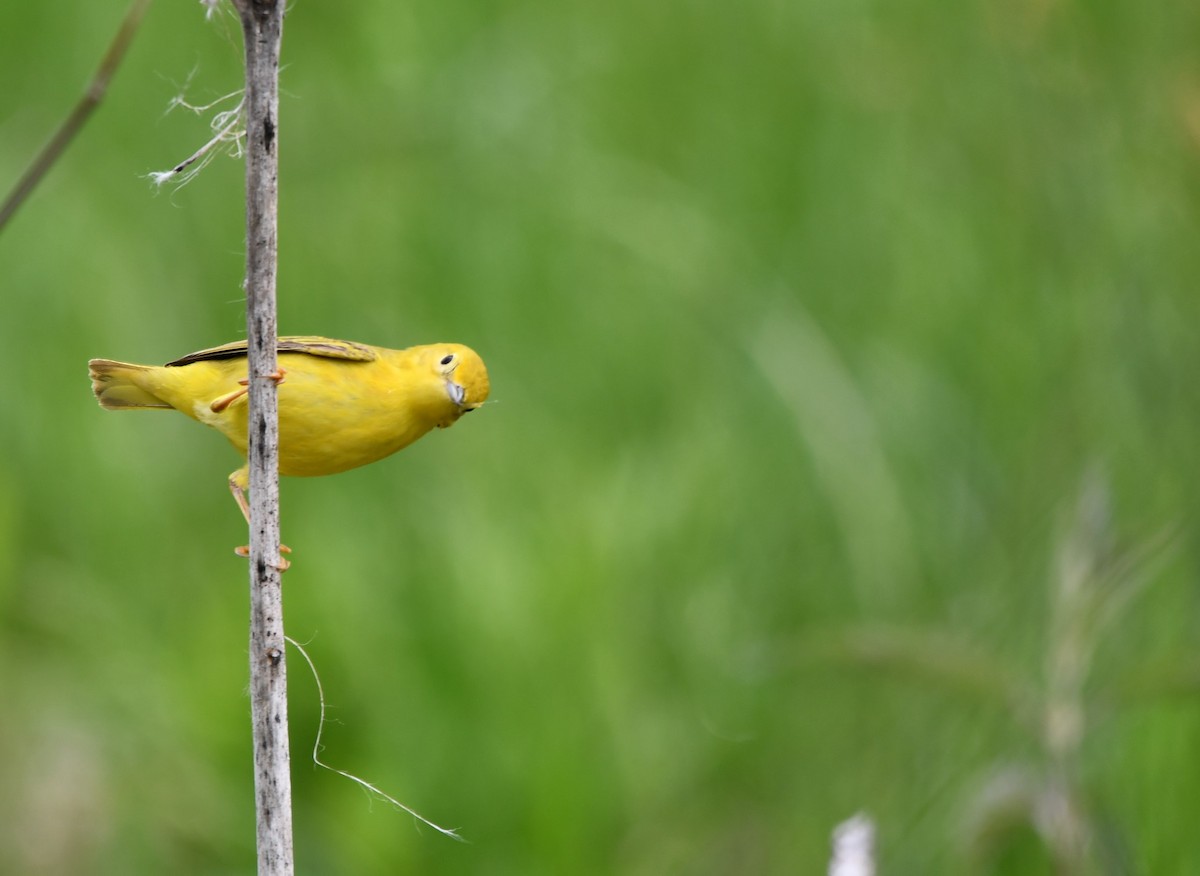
column 820, row 333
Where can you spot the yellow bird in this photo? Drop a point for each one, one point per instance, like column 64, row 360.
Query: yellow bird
column 341, row 404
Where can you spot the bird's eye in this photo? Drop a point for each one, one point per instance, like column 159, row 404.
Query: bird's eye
column 447, row 359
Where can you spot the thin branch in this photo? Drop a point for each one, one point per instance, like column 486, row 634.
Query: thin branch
column 83, row 109
column 262, row 28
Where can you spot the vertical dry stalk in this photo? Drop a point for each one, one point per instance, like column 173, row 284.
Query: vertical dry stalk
column 262, row 26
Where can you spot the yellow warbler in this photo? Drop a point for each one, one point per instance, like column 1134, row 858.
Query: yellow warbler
column 341, row 404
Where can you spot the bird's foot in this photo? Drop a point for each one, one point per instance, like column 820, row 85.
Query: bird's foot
column 284, row 563
column 220, row 404
column 278, row 375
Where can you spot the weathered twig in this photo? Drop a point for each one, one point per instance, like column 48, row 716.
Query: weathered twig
column 83, row 109
column 262, row 27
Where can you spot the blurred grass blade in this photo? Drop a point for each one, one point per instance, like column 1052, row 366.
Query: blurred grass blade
column 835, row 422
column 931, row 657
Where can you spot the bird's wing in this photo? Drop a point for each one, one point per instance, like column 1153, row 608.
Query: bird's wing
column 309, row 344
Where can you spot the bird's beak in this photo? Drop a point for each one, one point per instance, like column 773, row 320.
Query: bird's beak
column 457, row 394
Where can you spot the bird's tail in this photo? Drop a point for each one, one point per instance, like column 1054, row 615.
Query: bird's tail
column 118, row 385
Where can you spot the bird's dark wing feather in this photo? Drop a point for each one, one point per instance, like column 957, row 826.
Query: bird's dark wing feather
column 309, row 344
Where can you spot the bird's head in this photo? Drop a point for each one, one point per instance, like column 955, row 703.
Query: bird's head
column 463, row 375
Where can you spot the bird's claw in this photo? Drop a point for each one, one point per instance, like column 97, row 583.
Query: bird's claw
column 220, row 404
column 278, row 375
column 284, row 563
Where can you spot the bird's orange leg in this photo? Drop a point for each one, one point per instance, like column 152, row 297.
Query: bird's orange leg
column 221, row 403
column 225, row 401
column 237, row 486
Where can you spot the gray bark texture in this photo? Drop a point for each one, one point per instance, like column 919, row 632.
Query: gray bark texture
column 262, row 26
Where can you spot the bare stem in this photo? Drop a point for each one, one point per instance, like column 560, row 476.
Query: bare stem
column 83, row 109
column 262, row 26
